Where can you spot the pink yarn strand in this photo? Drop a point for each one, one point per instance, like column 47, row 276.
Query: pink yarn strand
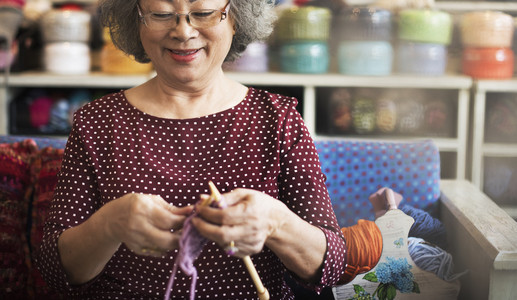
column 191, row 245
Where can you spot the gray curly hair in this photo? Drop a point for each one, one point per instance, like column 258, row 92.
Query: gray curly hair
column 254, row 21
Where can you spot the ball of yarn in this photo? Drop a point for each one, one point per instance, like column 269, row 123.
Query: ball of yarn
column 364, row 248
column 39, row 111
column 58, row 121
column 426, row 226
column 433, row 259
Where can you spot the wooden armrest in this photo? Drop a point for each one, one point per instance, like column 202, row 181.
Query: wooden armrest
column 482, row 239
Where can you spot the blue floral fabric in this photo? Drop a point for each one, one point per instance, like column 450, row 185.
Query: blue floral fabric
column 355, row 169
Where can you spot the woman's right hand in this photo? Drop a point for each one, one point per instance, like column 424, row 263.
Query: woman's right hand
column 146, row 224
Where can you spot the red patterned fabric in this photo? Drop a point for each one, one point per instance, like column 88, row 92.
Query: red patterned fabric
column 45, row 167
column 15, row 3
column 15, row 188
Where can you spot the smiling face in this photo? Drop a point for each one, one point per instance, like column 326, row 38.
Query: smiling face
column 185, row 54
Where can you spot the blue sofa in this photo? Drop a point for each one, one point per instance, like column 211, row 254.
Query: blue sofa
column 482, row 237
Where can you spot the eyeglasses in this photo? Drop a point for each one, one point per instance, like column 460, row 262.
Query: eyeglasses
column 199, row 19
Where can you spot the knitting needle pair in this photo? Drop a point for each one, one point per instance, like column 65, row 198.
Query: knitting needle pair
column 219, row 202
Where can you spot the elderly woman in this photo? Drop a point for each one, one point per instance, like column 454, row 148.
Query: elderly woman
column 138, row 160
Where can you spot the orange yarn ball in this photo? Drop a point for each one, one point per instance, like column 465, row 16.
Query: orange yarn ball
column 364, row 249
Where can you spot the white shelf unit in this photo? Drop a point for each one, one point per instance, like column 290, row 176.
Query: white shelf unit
column 309, row 84
column 464, row 6
column 46, row 80
column 480, row 148
column 456, row 6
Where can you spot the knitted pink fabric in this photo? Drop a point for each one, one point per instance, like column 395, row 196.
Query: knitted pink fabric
column 191, row 245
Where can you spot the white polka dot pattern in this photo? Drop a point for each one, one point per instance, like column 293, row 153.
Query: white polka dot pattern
column 114, row 149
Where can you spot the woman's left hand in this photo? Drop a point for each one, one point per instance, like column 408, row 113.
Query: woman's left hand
column 250, row 218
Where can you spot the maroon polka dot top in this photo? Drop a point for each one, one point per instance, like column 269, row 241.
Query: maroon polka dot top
column 114, row 149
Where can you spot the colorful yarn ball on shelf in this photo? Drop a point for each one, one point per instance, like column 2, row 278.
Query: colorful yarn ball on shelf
column 39, row 111
column 363, row 115
column 502, row 118
column 386, row 115
column 410, row 116
column 340, row 110
column 58, row 122
column 436, row 116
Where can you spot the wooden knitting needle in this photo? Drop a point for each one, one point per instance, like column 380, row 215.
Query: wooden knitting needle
column 261, row 290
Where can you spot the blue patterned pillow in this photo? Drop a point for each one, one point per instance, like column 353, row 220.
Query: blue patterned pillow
column 356, row 169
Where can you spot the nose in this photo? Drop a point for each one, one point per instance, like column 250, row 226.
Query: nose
column 183, row 30
column 178, row 18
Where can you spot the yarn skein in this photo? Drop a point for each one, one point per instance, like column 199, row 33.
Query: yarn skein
column 364, row 249
column 433, row 259
column 426, row 227
column 190, row 246
column 364, row 244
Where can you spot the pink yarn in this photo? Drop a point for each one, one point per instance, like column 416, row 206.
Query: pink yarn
column 39, row 111
column 190, row 246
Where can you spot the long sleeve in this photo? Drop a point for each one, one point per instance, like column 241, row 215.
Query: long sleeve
column 75, row 199
column 303, row 190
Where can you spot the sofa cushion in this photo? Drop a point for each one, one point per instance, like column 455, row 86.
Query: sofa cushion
column 15, row 189
column 357, row 169
column 44, row 169
column 42, row 142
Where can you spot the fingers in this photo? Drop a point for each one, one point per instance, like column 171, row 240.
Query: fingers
column 244, row 222
column 378, row 202
column 146, row 222
column 384, row 199
column 166, row 216
column 157, row 243
column 247, row 242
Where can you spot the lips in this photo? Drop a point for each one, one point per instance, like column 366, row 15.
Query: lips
column 184, row 52
column 184, row 56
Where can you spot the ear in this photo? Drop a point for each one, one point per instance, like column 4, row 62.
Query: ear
column 234, row 27
column 232, row 22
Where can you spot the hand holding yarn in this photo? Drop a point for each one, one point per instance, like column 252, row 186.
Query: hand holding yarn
column 382, row 203
column 146, row 224
column 192, row 243
column 249, row 220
